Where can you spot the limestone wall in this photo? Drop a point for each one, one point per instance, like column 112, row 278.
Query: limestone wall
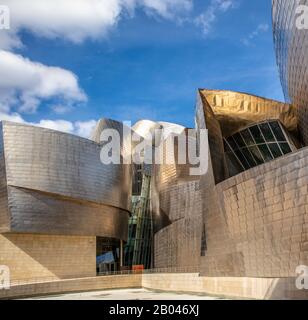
column 51, row 257
column 73, row 285
column 233, row 287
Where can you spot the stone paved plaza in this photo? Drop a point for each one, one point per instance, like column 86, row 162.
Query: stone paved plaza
column 126, row 294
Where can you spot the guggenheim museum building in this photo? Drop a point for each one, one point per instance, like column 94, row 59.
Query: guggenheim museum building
column 246, row 217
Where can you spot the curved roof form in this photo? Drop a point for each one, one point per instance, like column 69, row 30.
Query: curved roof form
column 144, row 127
column 171, row 128
column 235, row 110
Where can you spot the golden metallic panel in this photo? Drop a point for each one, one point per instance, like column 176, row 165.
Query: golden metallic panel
column 235, row 110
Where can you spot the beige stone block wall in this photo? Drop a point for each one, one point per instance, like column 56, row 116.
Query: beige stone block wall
column 73, row 285
column 233, row 287
column 31, row 256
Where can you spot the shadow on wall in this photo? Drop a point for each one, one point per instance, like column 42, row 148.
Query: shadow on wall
column 31, row 257
column 285, row 288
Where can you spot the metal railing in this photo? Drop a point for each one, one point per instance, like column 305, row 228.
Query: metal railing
column 193, row 269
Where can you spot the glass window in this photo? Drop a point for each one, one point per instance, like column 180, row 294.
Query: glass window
column 265, row 152
column 242, row 159
column 277, row 131
column 240, row 142
column 275, row 150
column 256, row 154
column 285, row 148
column 226, row 146
column 232, row 143
column 249, row 157
column 256, row 145
column 235, row 162
column 247, row 137
column 256, row 133
column 267, row 132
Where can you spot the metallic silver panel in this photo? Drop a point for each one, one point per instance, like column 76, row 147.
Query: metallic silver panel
column 256, row 222
column 178, row 244
column 33, row 211
column 259, row 225
column 291, row 51
column 64, row 171
column 4, row 213
column 176, row 205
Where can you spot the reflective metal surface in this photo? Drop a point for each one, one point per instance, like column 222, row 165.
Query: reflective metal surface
column 176, row 206
column 236, row 110
column 253, row 223
column 227, row 112
column 255, row 145
column 144, row 127
column 57, row 185
column 175, row 202
column 256, row 221
column 291, row 51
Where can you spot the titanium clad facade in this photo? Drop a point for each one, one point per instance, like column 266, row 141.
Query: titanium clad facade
column 176, row 205
column 256, row 145
column 4, row 211
column 235, row 110
column 56, row 184
column 255, row 223
column 291, row 45
column 175, row 200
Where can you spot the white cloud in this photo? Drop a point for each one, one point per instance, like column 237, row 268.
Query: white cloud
column 261, row 28
column 14, row 117
column 59, row 125
column 77, row 20
column 80, row 128
column 74, row 20
column 167, row 9
column 62, row 109
column 27, row 83
column 9, row 40
column 84, row 128
column 209, row 16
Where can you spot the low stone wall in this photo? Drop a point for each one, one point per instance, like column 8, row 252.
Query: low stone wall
column 249, row 288
column 34, row 256
column 73, row 285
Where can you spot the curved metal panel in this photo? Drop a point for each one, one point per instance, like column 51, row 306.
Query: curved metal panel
column 291, row 45
column 255, row 221
column 65, row 170
column 4, row 213
column 235, row 110
column 144, row 127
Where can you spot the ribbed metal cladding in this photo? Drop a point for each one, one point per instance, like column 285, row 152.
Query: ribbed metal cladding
column 291, row 46
column 57, row 184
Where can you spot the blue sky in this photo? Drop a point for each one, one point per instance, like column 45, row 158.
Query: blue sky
column 146, row 63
